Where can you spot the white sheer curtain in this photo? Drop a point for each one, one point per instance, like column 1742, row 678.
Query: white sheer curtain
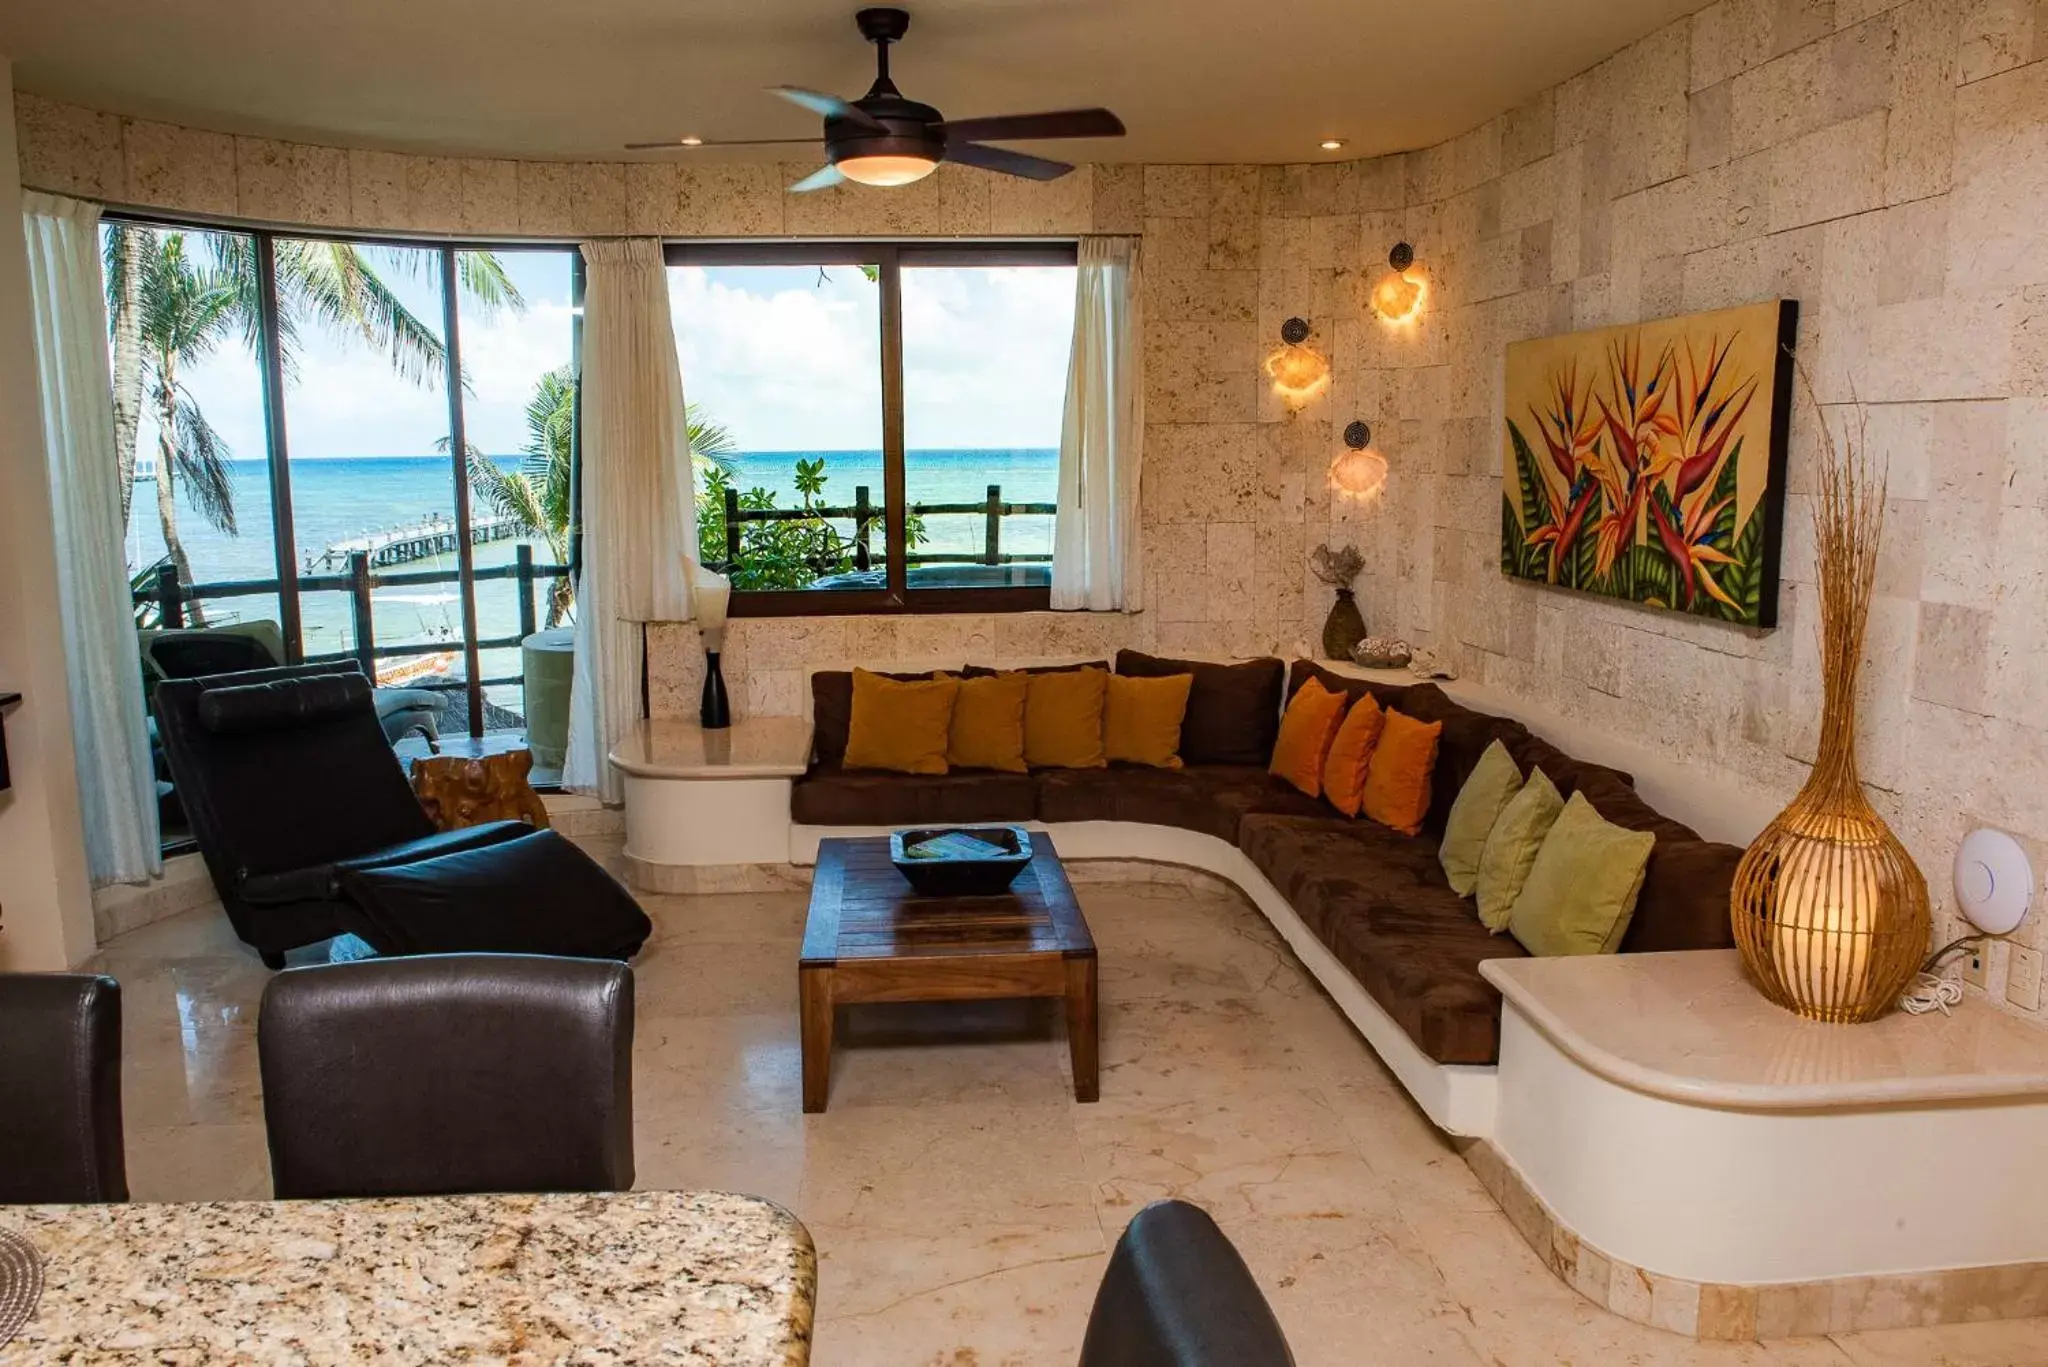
column 639, row 515
column 109, row 732
column 1095, row 536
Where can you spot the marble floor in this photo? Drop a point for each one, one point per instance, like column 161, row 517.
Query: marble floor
column 962, row 1203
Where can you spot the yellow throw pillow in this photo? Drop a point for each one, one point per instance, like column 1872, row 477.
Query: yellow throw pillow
column 1063, row 719
column 900, row 726
column 1582, row 890
column 1351, row 755
column 988, row 723
column 1141, row 719
column 1511, row 848
column 1306, row 731
column 1494, row 782
column 1398, row 775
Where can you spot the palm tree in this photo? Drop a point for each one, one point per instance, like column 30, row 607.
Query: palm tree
column 330, row 282
column 538, row 496
column 183, row 310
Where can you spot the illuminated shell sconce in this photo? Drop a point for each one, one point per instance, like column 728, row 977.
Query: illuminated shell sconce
column 1299, row 372
column 1398, row 297
column 1361, row 472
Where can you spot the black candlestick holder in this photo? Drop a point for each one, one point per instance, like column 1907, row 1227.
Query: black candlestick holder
column 716, row 713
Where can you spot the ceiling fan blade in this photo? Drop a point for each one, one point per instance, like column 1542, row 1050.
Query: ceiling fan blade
column 1058, row 123
column 1007, row 162
column 678, row 145
column 824, row 178
column 831, row 106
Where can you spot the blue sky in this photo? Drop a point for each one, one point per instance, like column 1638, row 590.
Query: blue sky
column 788, row 358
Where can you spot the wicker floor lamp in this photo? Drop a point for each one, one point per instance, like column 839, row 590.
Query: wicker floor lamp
column 1829, row 909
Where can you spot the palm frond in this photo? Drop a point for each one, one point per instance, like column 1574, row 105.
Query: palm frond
column 482, row 279
column 711, row 442
column 332, row 283
column 202, row 457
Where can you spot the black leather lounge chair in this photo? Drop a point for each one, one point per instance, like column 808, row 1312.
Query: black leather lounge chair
column 309, row 829
column 1178, row 1295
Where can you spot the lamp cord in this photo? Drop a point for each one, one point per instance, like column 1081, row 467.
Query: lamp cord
column 1932, row 992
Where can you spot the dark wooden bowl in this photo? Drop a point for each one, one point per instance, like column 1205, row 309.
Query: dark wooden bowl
column 958, row 876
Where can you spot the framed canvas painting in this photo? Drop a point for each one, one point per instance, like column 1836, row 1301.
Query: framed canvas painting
column 1647, row 462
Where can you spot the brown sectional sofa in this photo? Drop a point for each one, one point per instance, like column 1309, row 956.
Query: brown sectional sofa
column 1375, row 898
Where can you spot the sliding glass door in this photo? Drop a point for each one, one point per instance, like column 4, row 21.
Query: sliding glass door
column 367, row 449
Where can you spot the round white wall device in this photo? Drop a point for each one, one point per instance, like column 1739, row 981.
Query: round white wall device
column 1994, row 881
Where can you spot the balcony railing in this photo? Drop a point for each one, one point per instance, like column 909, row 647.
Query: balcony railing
column 864, row 514
column 169, row 596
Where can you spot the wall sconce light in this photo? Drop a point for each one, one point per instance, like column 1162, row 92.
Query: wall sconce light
column 1299, row 372
column 1398, row 297
column 1361, row 472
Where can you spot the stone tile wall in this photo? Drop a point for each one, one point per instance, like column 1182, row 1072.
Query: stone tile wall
column 1886, row 164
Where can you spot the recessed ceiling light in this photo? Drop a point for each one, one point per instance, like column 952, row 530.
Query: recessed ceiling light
column 1332, row 144
column 692, row 140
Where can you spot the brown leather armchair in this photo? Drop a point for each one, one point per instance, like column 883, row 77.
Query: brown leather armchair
column 1178, row 1295
column 449, row 1073
column 60, row 1089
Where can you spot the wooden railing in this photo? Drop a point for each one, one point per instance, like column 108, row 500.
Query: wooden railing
column 170, row 596
column 864, row 514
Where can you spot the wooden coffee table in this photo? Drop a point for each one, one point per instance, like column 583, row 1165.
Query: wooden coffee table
column 871, row 938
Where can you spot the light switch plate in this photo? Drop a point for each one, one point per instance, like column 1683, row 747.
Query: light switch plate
column 2023, row 978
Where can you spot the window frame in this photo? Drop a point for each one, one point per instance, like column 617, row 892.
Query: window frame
column 269, row 360
column 889, row 257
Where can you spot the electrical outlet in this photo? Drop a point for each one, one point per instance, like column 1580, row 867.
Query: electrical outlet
column 2023, row 978
column 1977, row 963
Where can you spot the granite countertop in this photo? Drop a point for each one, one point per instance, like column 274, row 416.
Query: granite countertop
column 637, row 1277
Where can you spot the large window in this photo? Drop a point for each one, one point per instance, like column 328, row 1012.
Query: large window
column 876, row 426
column 308, row 469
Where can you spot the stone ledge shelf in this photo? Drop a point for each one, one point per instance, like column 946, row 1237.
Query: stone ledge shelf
column 1691, row 1156
column 699, row 801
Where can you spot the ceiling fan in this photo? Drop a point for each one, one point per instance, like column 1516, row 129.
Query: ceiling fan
column 884, row 139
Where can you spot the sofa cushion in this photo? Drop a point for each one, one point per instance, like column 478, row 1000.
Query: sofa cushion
column 1210, row 798
column 845, row 797
column 1379, row 902
column 832, row 712
column 1386, row 695
column 900, row 726
column 1684, row 900
column 1466, row 735
column 1063, row 719
column 1233, row 709
column 1568, row 772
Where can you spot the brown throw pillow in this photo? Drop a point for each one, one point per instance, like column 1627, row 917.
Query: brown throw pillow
column 1142, row 719
column 988, row 723
column 1233, row 712
column 900, row 726
column 1063, row 719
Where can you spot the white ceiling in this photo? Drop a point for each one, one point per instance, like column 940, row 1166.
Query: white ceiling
column 1195, row 80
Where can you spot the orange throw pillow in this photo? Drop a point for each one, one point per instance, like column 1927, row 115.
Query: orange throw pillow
column 1306, row 731
column 1397, row 779
column 988, row 723
column 1350, row 753
column 900, row 726
column 1063, row 719
column 1141, row 719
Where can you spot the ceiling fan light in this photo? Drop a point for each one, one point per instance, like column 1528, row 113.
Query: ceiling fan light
column 887, row 170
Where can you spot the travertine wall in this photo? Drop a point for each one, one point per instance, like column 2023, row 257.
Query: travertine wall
column 1887, row 165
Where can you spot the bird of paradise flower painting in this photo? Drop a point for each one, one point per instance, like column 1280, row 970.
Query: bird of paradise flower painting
column 1647, row 462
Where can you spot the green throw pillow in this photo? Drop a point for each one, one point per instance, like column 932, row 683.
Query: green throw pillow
column 1582, row 891
column 1495, row 781
column 1511, row 847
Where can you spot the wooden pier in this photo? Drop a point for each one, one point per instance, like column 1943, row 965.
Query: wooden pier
column 435, row 535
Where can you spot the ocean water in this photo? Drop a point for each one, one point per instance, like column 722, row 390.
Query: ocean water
column 334, row 501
